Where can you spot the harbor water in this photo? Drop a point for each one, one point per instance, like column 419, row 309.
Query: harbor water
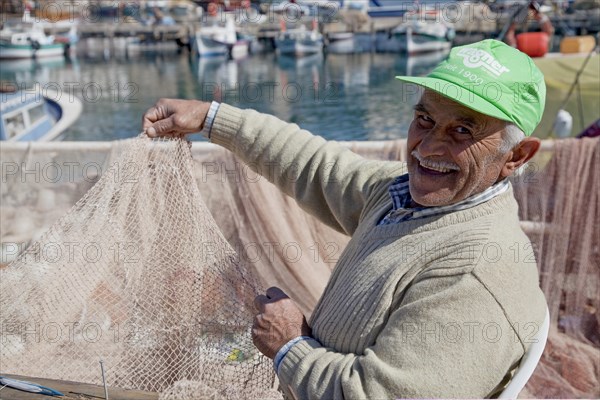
column 341, row 97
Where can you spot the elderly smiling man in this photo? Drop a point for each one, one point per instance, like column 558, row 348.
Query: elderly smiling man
column 417, row 305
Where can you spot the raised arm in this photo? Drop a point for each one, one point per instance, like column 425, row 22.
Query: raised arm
column 325, row 178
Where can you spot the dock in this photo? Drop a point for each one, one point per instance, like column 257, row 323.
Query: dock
column 179, row 33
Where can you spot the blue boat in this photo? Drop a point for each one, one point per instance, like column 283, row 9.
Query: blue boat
column 29, row 115
column 377, row 9
column 392, row 8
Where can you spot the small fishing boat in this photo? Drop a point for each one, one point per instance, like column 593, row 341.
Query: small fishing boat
column 205, row 46
column 299, row 42
column 36, row 115
column 417, row 36
column 216, row 38
column 26, row 39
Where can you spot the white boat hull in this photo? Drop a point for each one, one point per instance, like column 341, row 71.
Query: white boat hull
column 419, row 44
column 299, row 46
column 298, row 49
column 410, row 42
column 11, row 52
column 19, row 122
column 207, row 47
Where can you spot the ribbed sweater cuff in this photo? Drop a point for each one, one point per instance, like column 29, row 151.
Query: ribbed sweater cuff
column 226, row 125
column 289, row 364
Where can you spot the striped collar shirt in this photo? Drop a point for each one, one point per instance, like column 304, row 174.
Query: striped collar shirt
column 401, row 200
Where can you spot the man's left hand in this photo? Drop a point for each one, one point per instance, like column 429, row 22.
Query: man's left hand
column 279, row 321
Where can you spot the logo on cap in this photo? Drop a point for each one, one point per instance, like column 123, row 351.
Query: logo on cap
column 475, row 58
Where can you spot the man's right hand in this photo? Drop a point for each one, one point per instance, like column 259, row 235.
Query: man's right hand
column 173, row 117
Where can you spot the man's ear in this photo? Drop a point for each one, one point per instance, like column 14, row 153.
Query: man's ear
column 522, row 153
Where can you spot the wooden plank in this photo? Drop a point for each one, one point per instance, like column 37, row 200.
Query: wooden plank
column 72, row 390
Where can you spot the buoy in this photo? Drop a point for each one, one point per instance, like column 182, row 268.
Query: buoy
column 563, row 124
column 577, row 44
column 534, row 44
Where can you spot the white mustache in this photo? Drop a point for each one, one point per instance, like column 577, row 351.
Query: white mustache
column 442, row 166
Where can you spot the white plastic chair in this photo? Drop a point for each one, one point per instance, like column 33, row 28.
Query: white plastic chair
column 528, row 363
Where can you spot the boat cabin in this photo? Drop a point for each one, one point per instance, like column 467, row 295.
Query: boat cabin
column 26, row 116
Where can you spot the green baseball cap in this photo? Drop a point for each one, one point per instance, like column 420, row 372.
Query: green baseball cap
column 492, row 78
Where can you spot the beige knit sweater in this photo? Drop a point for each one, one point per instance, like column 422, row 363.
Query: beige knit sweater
column 436, row 307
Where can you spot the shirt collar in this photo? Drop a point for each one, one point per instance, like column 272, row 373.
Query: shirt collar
column 401, row 199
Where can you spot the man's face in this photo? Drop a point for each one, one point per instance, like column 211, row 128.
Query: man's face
column 453, row 151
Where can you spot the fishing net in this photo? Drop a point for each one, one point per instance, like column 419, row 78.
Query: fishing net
column 559, row 202
column 286, row 246
column 282, row 245
column 136, row 274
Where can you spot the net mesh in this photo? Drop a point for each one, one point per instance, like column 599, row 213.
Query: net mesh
column 559, row 198
column 137, row 274
column 559, row 207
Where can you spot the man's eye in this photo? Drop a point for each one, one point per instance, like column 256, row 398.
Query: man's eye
column 462, row 130
column 425, row 119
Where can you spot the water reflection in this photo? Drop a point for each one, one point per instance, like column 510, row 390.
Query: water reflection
column 342, row 97
column 26, row 70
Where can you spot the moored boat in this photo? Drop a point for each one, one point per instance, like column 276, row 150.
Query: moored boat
column 415, row 37
column 205, row 46
column 299, row 42
column 26, row 39
column 218, row 39
column 36, row 115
